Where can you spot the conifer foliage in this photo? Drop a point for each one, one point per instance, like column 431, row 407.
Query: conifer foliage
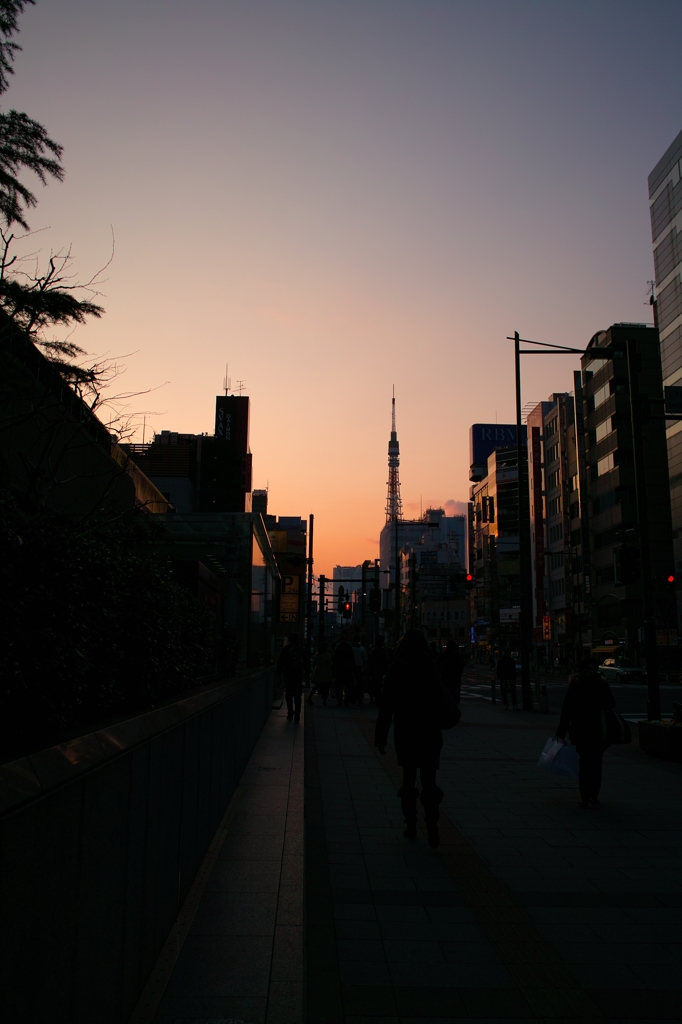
column 38, row 301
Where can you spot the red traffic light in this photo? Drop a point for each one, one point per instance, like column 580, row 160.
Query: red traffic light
column 469, row 582
column 671, row 579
column 469, row 577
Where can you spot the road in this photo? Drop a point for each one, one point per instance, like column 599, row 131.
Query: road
column 630, row 697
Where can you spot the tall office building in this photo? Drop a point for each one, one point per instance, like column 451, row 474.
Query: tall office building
column 554, row 511
column 613, row 565
column 665, row 200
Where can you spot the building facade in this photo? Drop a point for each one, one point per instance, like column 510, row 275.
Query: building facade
column 665, row 201
column 495, row 598
column 553, row 484
column 620, row 501
column 202, row 472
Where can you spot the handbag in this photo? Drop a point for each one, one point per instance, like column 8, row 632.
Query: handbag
column 559, row 758
column 614, row 728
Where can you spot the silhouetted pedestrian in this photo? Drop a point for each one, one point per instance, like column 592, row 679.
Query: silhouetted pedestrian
column 360, row 656
column 322, row 674
column 587, row 697
column 410, row 697
column 451, row 668
column 378, row 661
column 292, row 669
column 505, row 670
column 344, row 672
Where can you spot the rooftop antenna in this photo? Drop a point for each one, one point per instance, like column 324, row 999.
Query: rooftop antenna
column 240, row 387
column 227, row 383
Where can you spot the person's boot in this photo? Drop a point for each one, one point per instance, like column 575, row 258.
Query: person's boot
column 408, row 804
column 431, row 799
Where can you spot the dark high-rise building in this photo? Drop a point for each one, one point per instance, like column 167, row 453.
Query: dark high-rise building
column 665, row 198
column 203, row 472
column 612, row 567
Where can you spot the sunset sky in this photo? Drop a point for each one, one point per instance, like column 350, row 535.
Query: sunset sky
column 336, row 197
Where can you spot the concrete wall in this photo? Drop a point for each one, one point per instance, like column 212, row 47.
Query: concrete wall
column 100, row 841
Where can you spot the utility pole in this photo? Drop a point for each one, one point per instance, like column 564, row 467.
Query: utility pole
column 309, row 610
column 363, row 594
column 320, row 621
column 650, row 649
column 525, row 567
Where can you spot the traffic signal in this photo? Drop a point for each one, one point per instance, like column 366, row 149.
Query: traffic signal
column 375, row 600
column 670, row 579
column 469, row 582
column 341, row 601
column 347, row 610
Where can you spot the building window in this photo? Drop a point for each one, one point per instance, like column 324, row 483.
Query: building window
column 601, row 395
column 552, row 453
column 557, row 587
column 604, row 429
column 606, row 464
column 552, row 480
column 555, row 560
column 573, row 483
column 554, row 507
column 555, row 533
column 551, row 427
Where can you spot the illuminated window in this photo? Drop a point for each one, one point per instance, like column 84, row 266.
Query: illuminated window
column 606, row 464
column 604, row 429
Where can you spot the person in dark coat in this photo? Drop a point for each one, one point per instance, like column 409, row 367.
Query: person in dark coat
column 587, row 696
column 322, row 675
column 409, row 698
column 451, row 668
column 292, row 669
column 505, row 670
column 344, row 673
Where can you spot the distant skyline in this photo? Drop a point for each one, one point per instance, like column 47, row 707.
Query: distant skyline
column 336, row 197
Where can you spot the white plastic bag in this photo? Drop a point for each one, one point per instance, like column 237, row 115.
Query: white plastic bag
column 559, row 758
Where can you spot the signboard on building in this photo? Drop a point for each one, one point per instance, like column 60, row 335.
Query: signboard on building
column 509, row 614
column 232, row 421
column 289, row 598
column 484, row 438
column 546, row 627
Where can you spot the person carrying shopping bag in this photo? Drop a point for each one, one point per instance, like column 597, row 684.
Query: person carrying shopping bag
column 587, row 702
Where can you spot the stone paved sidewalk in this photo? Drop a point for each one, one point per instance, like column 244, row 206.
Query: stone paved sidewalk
column 532, row 908
column 239, row 955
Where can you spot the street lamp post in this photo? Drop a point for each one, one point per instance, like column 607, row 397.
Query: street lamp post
column 525, row 562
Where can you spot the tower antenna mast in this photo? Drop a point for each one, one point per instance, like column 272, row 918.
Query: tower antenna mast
column 394, row 505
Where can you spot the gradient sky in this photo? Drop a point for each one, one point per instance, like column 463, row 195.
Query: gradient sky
column 336, row 197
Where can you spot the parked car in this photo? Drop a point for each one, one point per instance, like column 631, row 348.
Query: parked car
column 620, row 670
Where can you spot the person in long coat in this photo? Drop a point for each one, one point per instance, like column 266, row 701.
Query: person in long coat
column 409, row 699
column 344, row 673
column 322, row 675
column 587, row 697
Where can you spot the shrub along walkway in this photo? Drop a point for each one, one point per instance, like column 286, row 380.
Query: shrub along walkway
column 532, row 908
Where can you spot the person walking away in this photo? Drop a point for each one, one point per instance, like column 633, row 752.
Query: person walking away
column 292, row 669
column 360, row 657
column 322, row 674
column 343, row 665
column 410, row 698
column 377, row 663
column 505, row 671
column 587, row 697
column 451, row 669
